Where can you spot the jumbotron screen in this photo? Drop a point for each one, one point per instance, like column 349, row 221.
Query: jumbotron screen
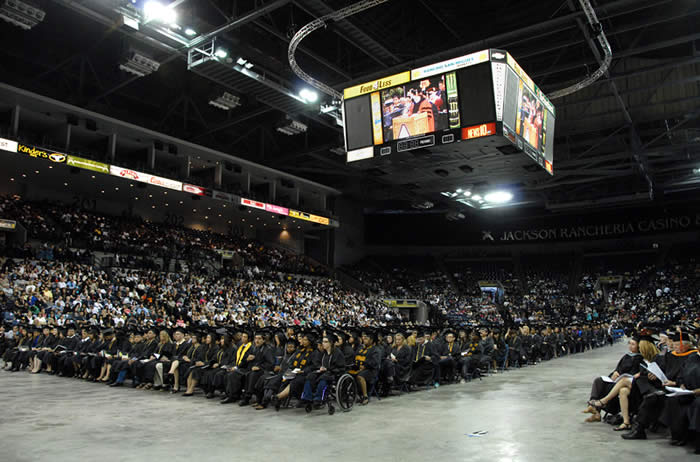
column 481, row 94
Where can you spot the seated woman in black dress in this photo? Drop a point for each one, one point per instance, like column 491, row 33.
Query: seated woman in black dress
column 332, row 366
column 604, row 393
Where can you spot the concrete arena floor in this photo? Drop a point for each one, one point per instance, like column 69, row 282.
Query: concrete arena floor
column 530, row 414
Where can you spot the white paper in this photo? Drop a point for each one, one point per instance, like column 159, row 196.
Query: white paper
column 675, row 391
column 656, row 370
column 609, row 380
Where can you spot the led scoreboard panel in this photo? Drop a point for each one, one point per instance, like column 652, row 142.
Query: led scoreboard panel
column 481, row 94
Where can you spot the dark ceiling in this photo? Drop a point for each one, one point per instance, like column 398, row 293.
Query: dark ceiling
column 634, row 130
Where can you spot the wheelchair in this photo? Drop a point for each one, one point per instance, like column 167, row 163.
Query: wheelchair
column 343, row 393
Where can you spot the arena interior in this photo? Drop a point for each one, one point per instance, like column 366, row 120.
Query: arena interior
column 383, row 230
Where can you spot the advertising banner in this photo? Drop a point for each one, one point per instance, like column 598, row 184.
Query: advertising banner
column 222, row 196
column 145, row 178
column 192, row 189
column 450, row 65
column 309, row 217
column 370, row 87
column 39, row 153
column 276, row 209
column 252, row 203
column 8, row 145
column 87, row 164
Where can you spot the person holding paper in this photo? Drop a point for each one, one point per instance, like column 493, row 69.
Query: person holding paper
column 681, row 413
column 648, row 389
column 604, row 392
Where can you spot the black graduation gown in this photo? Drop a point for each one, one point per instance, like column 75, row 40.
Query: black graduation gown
column 335, row 367
column 403, row 361
column 163, row 350
column 208, row 357
column 681, row 414
column 628, row 364
column 302, row 359
column 422, row 369
column 223, row 357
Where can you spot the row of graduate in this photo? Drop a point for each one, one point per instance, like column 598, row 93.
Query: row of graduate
column 270, row 366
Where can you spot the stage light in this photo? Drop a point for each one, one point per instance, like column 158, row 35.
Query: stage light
column 498, row 197
column 309, row 96
column 467, row 193
column 459, row 190
column 226, row 102
column 476, row 197
column 292, row 127
column 138, row 64
column 221, row 53
column 190, row 32
column 156, row 11
column 21, row 14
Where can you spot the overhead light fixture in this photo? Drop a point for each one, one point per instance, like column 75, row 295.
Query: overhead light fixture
column 308, row 96
column 249, row 65
column 221, row 53
column 241, row 61
column 156, row 11
column 292, row 127
column 467, row 193
column 190, row 32
column 138, row 64
column 226, row 102
column 476, row 197
column 498, row 197
column 21, row 14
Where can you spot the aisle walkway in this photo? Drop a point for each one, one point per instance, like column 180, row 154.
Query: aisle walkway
column 531, row 414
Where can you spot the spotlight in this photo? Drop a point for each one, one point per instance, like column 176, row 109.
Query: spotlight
column 155, row 11
column 476, row 197
column 138, row 64
column 309, row 96
column 498, row 197
column 21, row 14
column 221, row 53
column 190, row 32
column 467, row 193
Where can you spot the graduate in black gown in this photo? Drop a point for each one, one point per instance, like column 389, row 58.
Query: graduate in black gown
column 165, row 366
column 122, row 366
column 648, row 392
column 239, row 366
column 423, row 361
column 628, row 364
column 180, row 367
column 332, row 366
column 270, row 383
column 681, row 414
column 203, row 359
column 214, row 378
column 367, row 364
column 449, row 356
column 263, row 363
column 162, row 352
column 300, row 365
column 136, row 364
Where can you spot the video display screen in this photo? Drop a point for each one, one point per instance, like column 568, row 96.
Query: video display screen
column 530, row 118
column 419, row 107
